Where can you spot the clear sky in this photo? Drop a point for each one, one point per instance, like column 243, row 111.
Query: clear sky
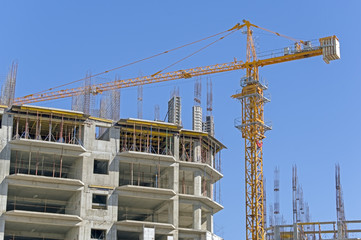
column 315, row 107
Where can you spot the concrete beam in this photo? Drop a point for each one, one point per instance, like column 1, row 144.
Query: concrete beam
column 62, row 184
column 42, row 218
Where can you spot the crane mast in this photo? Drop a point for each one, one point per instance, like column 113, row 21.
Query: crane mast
column 253, row 128
column 252, row 98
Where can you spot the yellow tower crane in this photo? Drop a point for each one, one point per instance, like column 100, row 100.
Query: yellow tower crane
column 252, row 98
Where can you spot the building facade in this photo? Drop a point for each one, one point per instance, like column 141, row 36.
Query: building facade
column 67, row 175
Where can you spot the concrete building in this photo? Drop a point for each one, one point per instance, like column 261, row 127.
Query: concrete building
column 208, row 125
column 67, row 175
column 175, row 110
column 197, row 118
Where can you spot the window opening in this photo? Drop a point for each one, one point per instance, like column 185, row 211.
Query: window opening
column 100, row 166
column 99, row 201
column 98, row 234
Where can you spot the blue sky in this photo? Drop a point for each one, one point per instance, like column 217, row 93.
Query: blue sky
column 315, row 107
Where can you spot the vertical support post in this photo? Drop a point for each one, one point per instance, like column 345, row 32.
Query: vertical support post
column 27, row 126
column 147, row 148
column 158, row 140
column 138, row 174
column 80, row 140
column 42, row 166
column 61, row 130
column 40, row 128
column 210, row 221
column 37, row 164
column 166, row 142
column 135, row 140
column 17, row 128
column 191, row 149
column 16, row 162
column 141, row 139
column 197, row 183
column 21, row 163
column 126, row 141
column 37, row 126
column 50, row 127
column 61, row 162
column 29, row 162
column 158, row 184
column 171, row 146
column 131, row 174
column 53, row 165
column 183, row 183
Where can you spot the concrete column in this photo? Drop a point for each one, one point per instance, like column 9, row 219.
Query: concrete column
column 197, row 183
column 147, row 234
column 174, row 204
column 2, row 227
column 197, row 217
column 175, row 235
column 5, row 135
column 175, row 211
column 196, row 150
column 174, row 177
column 210, row 222
column 74, row 234
column 176, row 147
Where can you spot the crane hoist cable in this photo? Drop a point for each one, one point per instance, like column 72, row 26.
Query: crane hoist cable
column 137, row 61
column 190, row 55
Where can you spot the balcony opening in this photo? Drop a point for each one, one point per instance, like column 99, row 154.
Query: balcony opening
column 101, row 166
column 41, row 164
column 99, row 202
column 143, row 209
column 155, row 176
column 186, row 182
column 39, row 200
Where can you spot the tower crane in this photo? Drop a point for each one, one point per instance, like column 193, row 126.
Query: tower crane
column 252, row 98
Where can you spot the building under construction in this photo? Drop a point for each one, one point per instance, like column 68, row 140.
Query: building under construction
column 68, row 175
column 84, row 173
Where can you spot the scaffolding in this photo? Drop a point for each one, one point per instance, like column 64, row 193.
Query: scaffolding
column 45, row 126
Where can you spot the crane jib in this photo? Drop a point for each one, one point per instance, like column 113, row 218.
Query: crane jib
column 162, row 77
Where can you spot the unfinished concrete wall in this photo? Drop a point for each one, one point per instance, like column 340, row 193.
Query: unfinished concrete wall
column 197, row 118
column 5, row 136
column 73, row 206
column 174, row 110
